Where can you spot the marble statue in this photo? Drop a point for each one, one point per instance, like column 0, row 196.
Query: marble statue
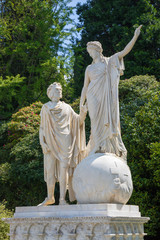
column 101, row 182
column 62, row 138
column 101, row 92
column 104, row 176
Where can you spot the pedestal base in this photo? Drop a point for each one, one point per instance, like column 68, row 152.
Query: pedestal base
column 78, row 222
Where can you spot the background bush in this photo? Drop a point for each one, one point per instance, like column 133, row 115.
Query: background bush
column 140, row 122
column 4, row 227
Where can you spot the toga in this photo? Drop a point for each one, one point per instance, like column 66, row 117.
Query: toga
column 64, row 136
column 103, row 106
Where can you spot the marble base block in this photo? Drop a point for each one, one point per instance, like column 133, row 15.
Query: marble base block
column 78, row 222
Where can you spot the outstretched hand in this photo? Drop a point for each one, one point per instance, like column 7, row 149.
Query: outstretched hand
column 137, row 31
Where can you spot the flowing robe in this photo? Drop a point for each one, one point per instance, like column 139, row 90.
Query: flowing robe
column 64, row 136
column 103, row 106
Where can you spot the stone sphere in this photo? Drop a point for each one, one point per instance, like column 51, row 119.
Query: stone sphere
column 102, row 178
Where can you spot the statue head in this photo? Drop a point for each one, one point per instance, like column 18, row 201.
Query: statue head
column 54, row 91
column 95, row 45
column 94, row 49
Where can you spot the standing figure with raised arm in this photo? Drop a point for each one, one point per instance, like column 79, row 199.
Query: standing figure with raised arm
column 101, row 92
column 62, row 137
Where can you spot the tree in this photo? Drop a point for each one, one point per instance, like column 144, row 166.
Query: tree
column 31, row 34
column 113, row 23
column 11, row 94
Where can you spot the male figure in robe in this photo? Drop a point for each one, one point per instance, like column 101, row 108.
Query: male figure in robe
column 62, row 137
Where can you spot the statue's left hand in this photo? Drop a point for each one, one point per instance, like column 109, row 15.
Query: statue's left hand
column 83, row 113
column 84, row 108
column 137, row 31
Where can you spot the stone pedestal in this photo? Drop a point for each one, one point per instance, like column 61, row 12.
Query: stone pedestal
column 78, row 222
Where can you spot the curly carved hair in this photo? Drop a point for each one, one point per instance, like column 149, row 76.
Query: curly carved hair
column 53, row 85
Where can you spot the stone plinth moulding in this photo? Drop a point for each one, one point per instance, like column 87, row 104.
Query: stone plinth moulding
column 78, row 222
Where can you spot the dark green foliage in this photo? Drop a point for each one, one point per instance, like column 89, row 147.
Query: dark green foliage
column 134, row 93
column 21, row 172
column 113, row 24
column 11, row 94
column 144, row 156
column 140, row 122
column 138, row 88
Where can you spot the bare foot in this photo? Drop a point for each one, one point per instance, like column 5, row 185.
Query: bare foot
column 47, row 202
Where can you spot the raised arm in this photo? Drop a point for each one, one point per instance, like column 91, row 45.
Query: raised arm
column 85, row 87
column 130, row 45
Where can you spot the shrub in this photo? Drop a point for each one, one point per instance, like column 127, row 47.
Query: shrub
column 4, row 227
column 140, row 122
column 22, row 169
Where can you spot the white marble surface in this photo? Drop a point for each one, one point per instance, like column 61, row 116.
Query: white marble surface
column 100, row 90
column 77, row 222
column 62, row 134
column 102, row 178
column 79, row 210
column 62, row 137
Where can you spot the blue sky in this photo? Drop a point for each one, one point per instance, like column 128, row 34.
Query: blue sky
column 73, row 3
column 74, row 16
